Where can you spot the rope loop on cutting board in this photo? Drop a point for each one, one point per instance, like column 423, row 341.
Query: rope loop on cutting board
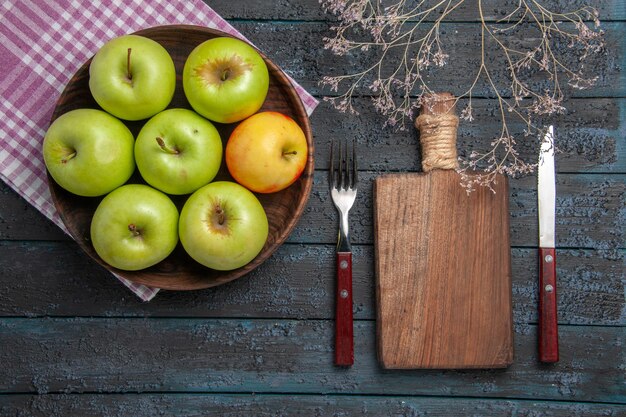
column 438, row 139
column 438, row 125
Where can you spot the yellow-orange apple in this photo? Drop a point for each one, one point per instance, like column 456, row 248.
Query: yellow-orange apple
column 266, row 152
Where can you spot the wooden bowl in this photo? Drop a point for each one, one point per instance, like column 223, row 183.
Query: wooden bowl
column 179, row 271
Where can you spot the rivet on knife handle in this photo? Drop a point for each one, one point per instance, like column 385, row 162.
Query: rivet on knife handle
column 546, row 199
column 548, row 329
column 344, row 338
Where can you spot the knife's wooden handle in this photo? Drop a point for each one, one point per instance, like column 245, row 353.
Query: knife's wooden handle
column 344, row 339
column 548, row 329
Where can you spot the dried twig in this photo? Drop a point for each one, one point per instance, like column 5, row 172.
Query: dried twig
column 411, row 30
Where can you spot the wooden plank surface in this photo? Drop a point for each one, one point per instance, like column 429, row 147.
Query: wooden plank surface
column 296, row 283
column 310, row 10
column 590, row 213
column 73, row 341
column 281, row 356
column 310, row 66
column 246, row 405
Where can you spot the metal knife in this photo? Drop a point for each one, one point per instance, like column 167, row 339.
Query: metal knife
column 546, row 195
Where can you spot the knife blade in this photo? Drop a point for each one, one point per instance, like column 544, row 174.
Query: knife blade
column 546, row 196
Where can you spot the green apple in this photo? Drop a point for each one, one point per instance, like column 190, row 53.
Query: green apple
column 132, row 77
column 134, row 227
column 223, row 226
column 225, row 79
column 178, row 151
column 89, row 152
column 267, row 152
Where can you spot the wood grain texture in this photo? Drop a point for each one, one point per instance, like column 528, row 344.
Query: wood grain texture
column 311, row 10
column 589, row 136
column 443, row 273
column 344, row 324
column 547, row 291
column 179, row 271
column 246, row 405
column 309, row 65
column 222, row 350
column 590, row 213
column 84, row 355
column 297, row 283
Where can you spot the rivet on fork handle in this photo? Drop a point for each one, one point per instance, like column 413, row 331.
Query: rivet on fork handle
column 344, row 331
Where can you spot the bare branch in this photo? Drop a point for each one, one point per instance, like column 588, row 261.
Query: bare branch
column 399, row 90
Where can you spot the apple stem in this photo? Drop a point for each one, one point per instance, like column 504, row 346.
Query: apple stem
column 290, row 153
column 163, row 146
column 128, row 74
column 220, row 215
column 67, row 158
column 133, row 229
column 225, row 74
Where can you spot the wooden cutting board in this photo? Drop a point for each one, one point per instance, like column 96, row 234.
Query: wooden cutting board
column 443, row 264
column 443, row 273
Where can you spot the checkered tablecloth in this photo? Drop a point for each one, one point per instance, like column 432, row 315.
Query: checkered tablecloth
column 42, row 44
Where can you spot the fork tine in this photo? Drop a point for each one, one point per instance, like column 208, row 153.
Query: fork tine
column 355, row 175
column 349, row 173
column 344, row 176
column 342, row 171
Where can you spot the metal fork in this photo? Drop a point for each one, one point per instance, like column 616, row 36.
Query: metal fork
column 343, row 187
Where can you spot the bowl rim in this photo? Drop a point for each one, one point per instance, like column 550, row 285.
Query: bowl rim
column 163, row 280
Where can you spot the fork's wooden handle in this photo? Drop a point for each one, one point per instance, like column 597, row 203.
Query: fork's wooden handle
column 344, row 332
column 548, row 328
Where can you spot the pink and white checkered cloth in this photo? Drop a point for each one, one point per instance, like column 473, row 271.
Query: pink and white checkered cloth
column 42, row 44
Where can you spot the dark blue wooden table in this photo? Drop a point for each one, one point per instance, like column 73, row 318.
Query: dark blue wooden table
column 73, row 341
